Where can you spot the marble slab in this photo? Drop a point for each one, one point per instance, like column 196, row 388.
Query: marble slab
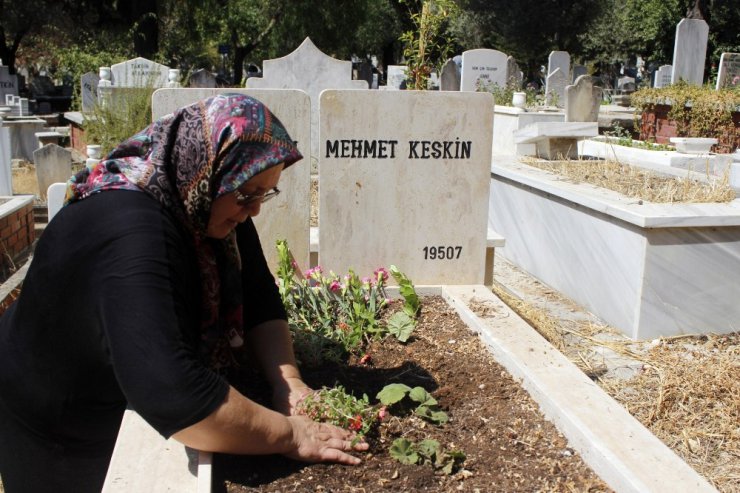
column 728, row 75
column 483, row 67
column 582, row 100
column 139, row 72
column 649, row 270
column 507, row 120
column 404, row 181
column 396, row 76
column 53, row 165
column 539, row 131
column 690, row 51
column 559, row 60
column 8, row 84
column 555, row 88
column 23, row 139
column 288, row 215
column 663, row 76
column 89, row 91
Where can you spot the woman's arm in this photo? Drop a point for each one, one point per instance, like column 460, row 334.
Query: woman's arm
column 241, row 426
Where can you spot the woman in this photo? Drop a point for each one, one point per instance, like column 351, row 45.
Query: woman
column 139, row 290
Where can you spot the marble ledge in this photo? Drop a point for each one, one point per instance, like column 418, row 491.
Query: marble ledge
column 645, row 215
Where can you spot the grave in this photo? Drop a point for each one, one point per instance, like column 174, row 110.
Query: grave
column 483, row 68
column 663, row 76
column 23, row 141
column 556, row 140
column 387, row 186
column 559, row 60
column 626, row 84
column 582, row 100
column 310, row 70
column 579, row 70
column 8, row 83
column 139, row 72
column 690, row 51
column 53, row 165
column 396, row 76
column 288, row 215
column 6, row 175
column 729, row 71
column 89, row 91
column 202, row 78
column 514, row 75
column 555, row 88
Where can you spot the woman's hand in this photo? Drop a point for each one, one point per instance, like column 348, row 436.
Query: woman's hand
column 321, row 442
column 287, row 397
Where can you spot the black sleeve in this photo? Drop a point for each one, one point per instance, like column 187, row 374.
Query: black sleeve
column 146, row 307
column 261, row 296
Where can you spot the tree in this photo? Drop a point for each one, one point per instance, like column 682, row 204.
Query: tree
column 18, row 21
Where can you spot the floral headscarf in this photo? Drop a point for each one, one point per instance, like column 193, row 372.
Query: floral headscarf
column 185, row 161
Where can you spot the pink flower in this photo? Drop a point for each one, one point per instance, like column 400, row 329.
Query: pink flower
column 366, row 280
column 294, row 264
column 381, row 274
column 382, row 413
column 335, row 286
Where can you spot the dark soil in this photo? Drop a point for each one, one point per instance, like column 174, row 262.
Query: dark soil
column 509, row 446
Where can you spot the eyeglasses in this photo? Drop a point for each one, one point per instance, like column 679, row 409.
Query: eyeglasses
column 243, row 199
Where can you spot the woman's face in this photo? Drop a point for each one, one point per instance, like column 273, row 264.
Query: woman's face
column 226, row 212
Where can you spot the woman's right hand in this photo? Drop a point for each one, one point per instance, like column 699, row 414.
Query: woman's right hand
column 322, row 442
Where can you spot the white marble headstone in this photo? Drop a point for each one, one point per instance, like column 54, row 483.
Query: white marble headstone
column 483, row 67
column 555, row 88
column 89, row 91
column 663, row 76
column 139, row 72
column 202, row 78
column 288, row 215
column 396, row 76
column 690, row 51
column 450, row 78
column 405, row 181
column 53, row 165
column 310, row 70
column 559, row 60
column 582, row 100
column 8, row 83
column 729, row 70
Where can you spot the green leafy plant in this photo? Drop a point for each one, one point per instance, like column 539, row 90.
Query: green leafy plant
column 620, row 136
column 426, row 451
column 503, row 96
column 427, row 46
column 411, row 304
column 426, row 406
column 337, row 407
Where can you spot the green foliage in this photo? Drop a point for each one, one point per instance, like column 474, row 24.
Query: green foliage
column 331, row 316
column 427, row 451
column 337, row 407
column 426, row 406
column 502, row 96
column 125, row 114
column 620, row 136
column 428, row 45
column 411, row 305
column 699, row 111
column 401, row 325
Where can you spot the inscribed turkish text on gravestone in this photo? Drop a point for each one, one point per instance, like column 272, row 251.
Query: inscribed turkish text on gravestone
column 139, row 72
column 729, row 71
column 287, row 216
column 483, row 69
column 405, row 181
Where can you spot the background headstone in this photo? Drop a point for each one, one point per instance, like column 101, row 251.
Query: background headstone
column 483, row 67
column 202, row 78
column 555, row 88
column 8, row 83
column 514, row 75
column 729, row 70
column 139, row 72
column 89, row 91
column 287, row 216
column 449, row 80
column 410, row 195
column 53, row 165
column 579, row 70
column 663, row 76
column 626, row 84
column 582, row 100
column 690, row 51
column 365, row 72
column 396, row 76
column 310, row 70
column 559, row 60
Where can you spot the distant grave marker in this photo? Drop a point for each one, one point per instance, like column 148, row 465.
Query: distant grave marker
column 396, row 76
column 483, row 67
column 53, row 164
column 514, row 75
column 663, row 76
column 582, row 100
column 8, row 83
column 555, row 88
column 89, row 91
column 449, row 80
column 202, row 78
column 729, row 70
column 413, row 195
column 288, row 215
column 139, row 72
column 579, row 70
column 690, row 51
column 559, row 60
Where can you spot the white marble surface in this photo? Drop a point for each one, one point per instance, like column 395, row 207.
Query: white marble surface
column 538, row 131
column 377, row 211
column 53, row 165
column 23, row 139
column 690, row 51
column 647, row 269
column 559, row 60
column 139, row 72
column 555, row 87
column 729, row 70
column 487, row 65
column 507, row 120
column 663, row 76
column 6, row 175
column 288, row 215
column 395, row 77
column 89, row 91
column 582, row 100
column 311, row 70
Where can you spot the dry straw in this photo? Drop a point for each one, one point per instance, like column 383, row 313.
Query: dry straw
column 638, row 183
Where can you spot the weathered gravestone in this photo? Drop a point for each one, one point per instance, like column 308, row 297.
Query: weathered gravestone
column 559, row 60
column 582, row 100
column 483, row 69
column 626, row 84
column 514, row 75
column 53, row 165
column 729, row 71
column 311, row 70
column 89, row 91
column 663, row 76
column 555, row 88
column 287, row 216
column 405, row 181
column 690, row 51
column 202, row 78
column 396, row 76
column 579, row 70
column 8, row 83
column 449, row 79
column 139, row 72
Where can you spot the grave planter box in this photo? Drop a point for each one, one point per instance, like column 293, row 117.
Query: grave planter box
column 649, row 270
column 655, row 125
column 507, row 120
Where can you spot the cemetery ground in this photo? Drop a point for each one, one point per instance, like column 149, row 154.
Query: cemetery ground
column 684, row 389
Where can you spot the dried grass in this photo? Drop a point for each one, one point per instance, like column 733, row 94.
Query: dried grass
column 687, row 392
column 24, row 180
column 638, row 183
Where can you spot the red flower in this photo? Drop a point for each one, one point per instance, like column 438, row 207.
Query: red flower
column 355, row 424
column 365, row 359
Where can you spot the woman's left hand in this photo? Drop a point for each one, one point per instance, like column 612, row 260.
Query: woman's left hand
column 285, row 399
